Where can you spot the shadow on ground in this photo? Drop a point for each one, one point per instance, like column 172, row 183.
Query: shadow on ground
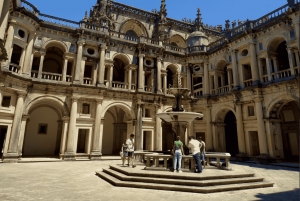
column 281, row 196
column 267, row 167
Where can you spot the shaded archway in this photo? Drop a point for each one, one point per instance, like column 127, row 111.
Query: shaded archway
column 231, row 134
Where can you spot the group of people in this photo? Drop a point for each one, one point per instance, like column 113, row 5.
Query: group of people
column 127, row 151
column 197, row 149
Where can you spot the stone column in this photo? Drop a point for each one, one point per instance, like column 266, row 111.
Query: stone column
column 165, row 83
column 64, row 72
column 27, row 67
column 96, row 153
column 25, row 120
column 159, row 87
column 22, row 58
column 4, row 13
column 240, row 128
column 254, row 68
column 241, row 76
column 9, row 41
column 291, row 60
column 101, row 71
column 216, row 83
column 41, row 64
column 111, row 72
column 260, row 70
column 12, row 153
column 206, row 79
column 261, row 127
column 70, row 151
column 101, row 135
column 78, row 62
column 214, row 136
column 129, row 78
column 209, row 134
column 229, row 79
column 269, row 68
column 65, row 120
column 158, row 141
column 138, row 136
column 236, row 82
column 141, row 73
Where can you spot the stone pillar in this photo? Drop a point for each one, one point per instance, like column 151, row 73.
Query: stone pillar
column 216, row 83
column 64, row 72
column 209, row 134
column 138, row 135
column 70, row 151
column 78, row 62
column 241, row 76
column 22, row 58
column 229, row 79
column 129, row 78
column 214, row 136
column 27, row 67
column 65, row 120
column 101, row 71
column 159, row 87
column 12, row 154
column 25, row 120
column 291, row 60
column 9, row 41
column 101, row 135
column 111, row 72
column 240, row 128
column 158, row 141
column 206, row 79
column 261, row 127
column 96, row 153
column 254, row 68
column 165, row 83
column 41, row 64
column 141, row 73
column 4, row 13
column 236, row 83
column 260, row 70
column 269, row 68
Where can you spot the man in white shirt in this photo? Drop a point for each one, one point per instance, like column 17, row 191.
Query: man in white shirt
column 130, row 148
column 195, row 146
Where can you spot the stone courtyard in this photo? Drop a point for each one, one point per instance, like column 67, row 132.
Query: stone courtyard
column 35, row 180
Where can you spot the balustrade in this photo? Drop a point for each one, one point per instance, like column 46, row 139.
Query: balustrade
column 119, row 85
column 265, row 78
column 68, row 78
column 199, row 48
column 281, row 74
column 58, row 21
column 51, row 76
column 198, row 92
column 34, row 74
column 248, row 83
column 297, row 71
column 14, row 68
column 87, row 81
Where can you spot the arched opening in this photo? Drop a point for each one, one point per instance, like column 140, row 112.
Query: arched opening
column 289, row 116
column 119, row 70
column 231, row 134
column 114, row 130
column 16, row 55
column 43, row 133
column 282, row 57
column 53, row 62
column 222, row 74
column 171, row 72
column 131, row 35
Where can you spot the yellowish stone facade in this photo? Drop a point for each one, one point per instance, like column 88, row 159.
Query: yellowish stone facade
column 78, row 89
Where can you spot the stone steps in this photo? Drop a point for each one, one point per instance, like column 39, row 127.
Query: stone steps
column 184, row 182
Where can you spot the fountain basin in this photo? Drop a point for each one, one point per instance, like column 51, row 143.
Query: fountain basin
column 179, row 116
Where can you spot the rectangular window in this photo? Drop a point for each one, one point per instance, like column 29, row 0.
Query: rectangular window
column 72, row 48
column 107, row 54
column 250, row 111
column 43, row 129
column 85, row 108
column 260, row 46
column 292, row 34
column 81, row 141
column 182, row 69
column 147, row 113
column 6, row 101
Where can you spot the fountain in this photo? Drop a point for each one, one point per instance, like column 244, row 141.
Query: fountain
column 178, row 117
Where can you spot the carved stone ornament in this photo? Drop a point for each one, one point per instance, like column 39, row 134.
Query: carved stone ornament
column 3, row 53
column 100, row 14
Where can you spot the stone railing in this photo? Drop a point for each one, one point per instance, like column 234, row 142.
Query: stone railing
column 29, row 7
column 175, row 48
column 58, row 21
column 248, row 83
column 148, row 89
column 68, row 78
column 223, row 89
column 199, row 48
column 147, row 157
column 265, row 78
column 218, row 43
column 51, row 76
column 297, row 71
column 14, row 68
column 87, row 81
column 119, row 85
column 281, row 74
column 93, row 27
column 198, row 92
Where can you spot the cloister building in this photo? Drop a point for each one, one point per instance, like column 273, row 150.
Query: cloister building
column 76, row 90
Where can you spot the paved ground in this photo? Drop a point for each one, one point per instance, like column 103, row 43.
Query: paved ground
column 77, row 181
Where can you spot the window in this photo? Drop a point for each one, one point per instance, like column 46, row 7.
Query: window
column 91, row 51
column 43, row 129
column 147, row 113
column 85, row 108
column 72, row 48
column 261, row 47
column 107, row 54
column 250, row 111
column 244, row 52
column 292, row 34
column 6, row 101
column 21, row 33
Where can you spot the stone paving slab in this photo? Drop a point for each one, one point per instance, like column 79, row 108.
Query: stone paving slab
column 77, row 181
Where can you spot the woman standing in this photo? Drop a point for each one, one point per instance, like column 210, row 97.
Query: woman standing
column 178, row 152
column 124, row 149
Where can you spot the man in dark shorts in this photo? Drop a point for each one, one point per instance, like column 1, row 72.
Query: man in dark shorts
column 130, row 148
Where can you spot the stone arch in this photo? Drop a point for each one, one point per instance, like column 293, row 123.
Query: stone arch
column 50, row 101
column 127, row 109
column 134, row 25
column 274, row 42
column 178, row 40
column 173, row 67
column 55, row 43
column 277, row 103
column 124, row 57
column 221, row 113
column 221, row 64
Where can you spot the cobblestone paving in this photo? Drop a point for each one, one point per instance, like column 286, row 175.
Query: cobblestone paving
column 77, row 181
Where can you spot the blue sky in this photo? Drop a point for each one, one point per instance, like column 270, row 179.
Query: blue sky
column 214, row 12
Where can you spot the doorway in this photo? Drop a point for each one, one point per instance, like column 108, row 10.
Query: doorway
column 3, row 131
column 231, row 134
column 254, row 143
